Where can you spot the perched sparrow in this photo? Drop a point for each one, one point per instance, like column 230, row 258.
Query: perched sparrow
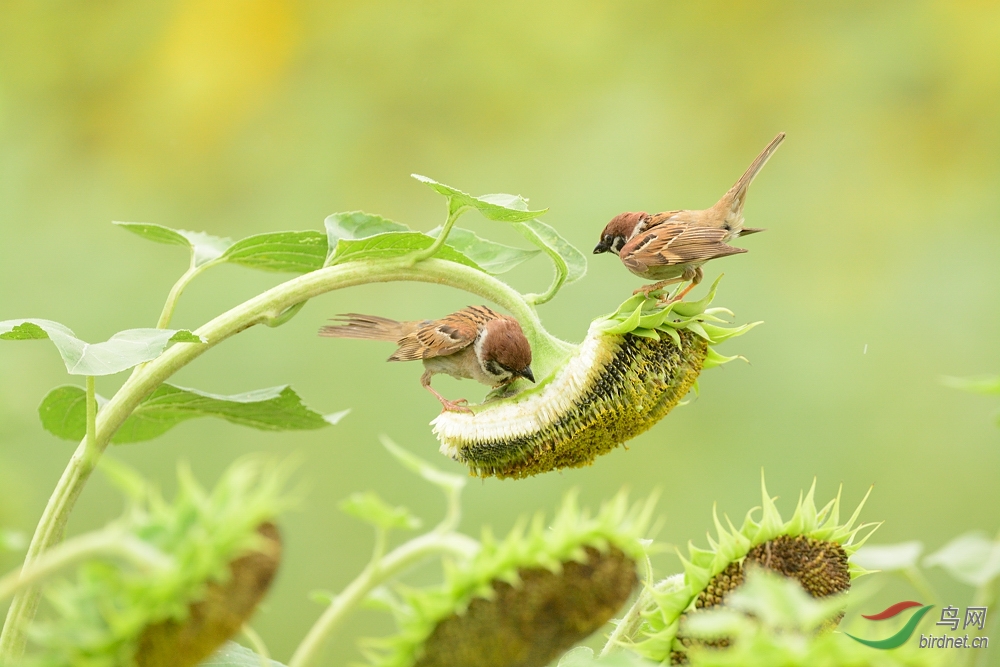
column 474, row 343
column 670, row 247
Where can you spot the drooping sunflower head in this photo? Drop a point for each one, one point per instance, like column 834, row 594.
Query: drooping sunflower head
column 633, row 367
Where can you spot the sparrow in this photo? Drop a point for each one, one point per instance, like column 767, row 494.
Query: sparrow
column 670, row 247
column 475, row 343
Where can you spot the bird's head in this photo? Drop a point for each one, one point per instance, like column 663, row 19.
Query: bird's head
column 503, row 351
column 620, row 230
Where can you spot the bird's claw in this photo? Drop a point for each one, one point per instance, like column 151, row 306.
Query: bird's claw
column 645, row 291
column 456, row 406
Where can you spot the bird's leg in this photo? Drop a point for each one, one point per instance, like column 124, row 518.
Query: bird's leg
column 646, row 290
column 695, row 279
column 449, row 406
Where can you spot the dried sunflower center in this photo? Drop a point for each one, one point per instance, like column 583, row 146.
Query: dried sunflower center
column 532, row 623
column 820, row 567
column 614, row 388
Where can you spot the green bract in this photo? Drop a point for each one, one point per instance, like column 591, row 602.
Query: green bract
column 677, row 595
column 771, row 621
column 111, row 615
column 523, row 576
column 633, row 367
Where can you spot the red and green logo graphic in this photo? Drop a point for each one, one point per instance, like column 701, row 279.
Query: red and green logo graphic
column 904, row 633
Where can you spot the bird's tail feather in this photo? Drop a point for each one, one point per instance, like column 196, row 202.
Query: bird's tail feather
column 368, row 327
column 738, row 191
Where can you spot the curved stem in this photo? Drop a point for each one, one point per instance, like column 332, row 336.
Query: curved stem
column 372, row 576
column 627, row 625
column 257, row 644
column 92, row 418
column 100, row 543
column 175, row 294
column 260, row 309
column 427, row 253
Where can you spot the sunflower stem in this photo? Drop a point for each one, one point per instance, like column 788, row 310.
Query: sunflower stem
column 267, row 307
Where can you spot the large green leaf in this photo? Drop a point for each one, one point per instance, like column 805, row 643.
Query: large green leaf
column 499, row 207
column 494, row 258
column 233, row 655
column 394, row 244
column 120, row 352
column 292, row 252
column 64, row 412
column 204, row 247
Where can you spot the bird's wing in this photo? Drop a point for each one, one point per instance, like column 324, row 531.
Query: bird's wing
column 670, row 217
column 448, row 335
column 673, row 244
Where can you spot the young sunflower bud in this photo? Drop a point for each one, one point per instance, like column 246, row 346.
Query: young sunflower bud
column 539, row 618
column 631, row 370
column 813, row 548
column 217, row 616
column 212, row 556
column 524, row 601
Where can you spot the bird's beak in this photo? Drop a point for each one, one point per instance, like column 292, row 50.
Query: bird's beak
column 601, row 248
column 527, row 374
column 746, row 231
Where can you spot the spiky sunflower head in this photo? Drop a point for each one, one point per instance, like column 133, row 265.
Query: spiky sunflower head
column 633, row 367
column 526, row 599
column 218, row 551
column 813, row 547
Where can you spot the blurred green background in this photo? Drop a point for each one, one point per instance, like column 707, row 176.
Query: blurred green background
column 878, row 273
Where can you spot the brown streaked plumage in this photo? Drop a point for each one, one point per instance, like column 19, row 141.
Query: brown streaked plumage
column 670, row 247
column 475, row 343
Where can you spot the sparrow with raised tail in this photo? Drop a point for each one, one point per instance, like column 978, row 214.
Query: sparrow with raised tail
column 670, row 247
column 475, row 343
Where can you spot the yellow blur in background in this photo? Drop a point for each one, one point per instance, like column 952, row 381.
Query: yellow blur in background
column 877, row 276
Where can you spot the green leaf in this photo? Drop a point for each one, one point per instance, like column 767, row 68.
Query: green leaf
column 394, row 244
column 499, row 207
column 233, row 655
column 64, row 410
column 494, row 258
column 371, row 509
column 204, row 247
column 445, row 480
column 358, row 225
column 889, row 557
column 290, row 252
column 120, row 352
column 570, row 263
column 990, row 385
column 972, row 558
